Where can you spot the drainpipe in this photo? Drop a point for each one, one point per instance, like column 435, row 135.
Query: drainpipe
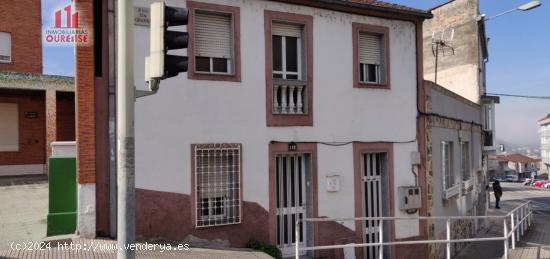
column 125, row 129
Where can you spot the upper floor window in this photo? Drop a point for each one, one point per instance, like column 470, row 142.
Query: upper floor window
column 371, row 56
column 214, row 51
column 488, row 117
column 213, row 42
column 5, row 47
column 287, row 47
column 289, row 68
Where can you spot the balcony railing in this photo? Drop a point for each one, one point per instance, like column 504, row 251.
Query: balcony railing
column 289, row 97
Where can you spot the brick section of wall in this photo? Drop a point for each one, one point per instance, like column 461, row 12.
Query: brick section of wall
column 32, row 131
column 85, row 99
column 22, row 18
column 65, row 119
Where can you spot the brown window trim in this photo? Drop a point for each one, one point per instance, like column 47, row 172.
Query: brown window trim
column 275, row 120
column 194, row 186
column 235, row 13
column 360, row 148
column 360, row 27
column 278, row 148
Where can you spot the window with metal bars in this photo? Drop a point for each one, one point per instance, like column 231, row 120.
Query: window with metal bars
column 213, row 42
column 371, row 57
column 217, row 180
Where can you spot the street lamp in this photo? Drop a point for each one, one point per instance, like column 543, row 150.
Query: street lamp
column 525, row 7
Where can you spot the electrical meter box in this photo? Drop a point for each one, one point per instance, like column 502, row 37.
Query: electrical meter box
column 409, row 197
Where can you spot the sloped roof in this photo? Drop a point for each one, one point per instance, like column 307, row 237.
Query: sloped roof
column 517, row 158
column 361, row 6
column 545, row 117
column 390, row 6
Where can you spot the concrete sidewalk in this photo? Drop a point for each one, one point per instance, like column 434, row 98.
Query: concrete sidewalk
column 534, row 244
column 103, row 248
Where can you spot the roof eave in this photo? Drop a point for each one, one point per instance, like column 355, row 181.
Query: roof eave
column 360, row 8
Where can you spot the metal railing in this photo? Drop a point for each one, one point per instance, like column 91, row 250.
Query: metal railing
column 520, row 219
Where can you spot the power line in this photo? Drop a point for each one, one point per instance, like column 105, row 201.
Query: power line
column 522, row 96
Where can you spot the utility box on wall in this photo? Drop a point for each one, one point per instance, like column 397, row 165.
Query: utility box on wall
column 409, row 197
column 62, row 196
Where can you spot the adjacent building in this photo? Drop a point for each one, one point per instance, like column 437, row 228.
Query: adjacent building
column 459, row 119
column 35, row 109
column 289, row 109
column 515, row 165
column 544, row 131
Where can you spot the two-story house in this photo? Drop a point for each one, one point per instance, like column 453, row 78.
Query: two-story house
column 289, row 109
column 35, row 109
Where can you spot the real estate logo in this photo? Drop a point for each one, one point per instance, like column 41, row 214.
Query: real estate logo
column 66, row 28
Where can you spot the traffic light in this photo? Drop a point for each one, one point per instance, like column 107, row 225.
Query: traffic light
column 159, row 65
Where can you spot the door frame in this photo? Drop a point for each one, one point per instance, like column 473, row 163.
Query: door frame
column 360, row 148
column 279, row 148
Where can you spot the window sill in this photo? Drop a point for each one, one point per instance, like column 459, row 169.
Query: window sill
column 218, row 225
column 192, row 75
column 372, row 85
column 467, row 185
column 451, row 192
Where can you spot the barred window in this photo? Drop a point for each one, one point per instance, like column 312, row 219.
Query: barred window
column 218, row 183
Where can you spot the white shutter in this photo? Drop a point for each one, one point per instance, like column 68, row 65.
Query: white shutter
column 370, row 48
column 286, row 29
column 213, row 35
column 5, row 47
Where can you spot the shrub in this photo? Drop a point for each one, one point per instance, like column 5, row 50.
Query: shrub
column 271, row 250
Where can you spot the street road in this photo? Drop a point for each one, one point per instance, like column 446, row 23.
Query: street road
column 518, row 193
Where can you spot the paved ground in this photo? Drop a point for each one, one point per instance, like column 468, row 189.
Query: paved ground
column 535, row 243
column 23, row 209
column 23, row 212
column 96, row 248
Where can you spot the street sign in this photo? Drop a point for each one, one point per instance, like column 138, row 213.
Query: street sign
column 141, row 16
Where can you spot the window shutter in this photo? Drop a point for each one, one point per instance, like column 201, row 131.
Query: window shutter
column 213, row 35
column 286, row 29
column 9, row 128
column 5, row 47
column 370, row 48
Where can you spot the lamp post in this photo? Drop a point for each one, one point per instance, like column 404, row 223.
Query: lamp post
column 525, row 7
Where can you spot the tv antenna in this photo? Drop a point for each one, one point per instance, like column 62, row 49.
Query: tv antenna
column 442, row 43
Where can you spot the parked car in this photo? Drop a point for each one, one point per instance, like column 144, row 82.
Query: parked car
column 528, row 181
column 547, row 185
column 540, row 183
column 537, row 183
column 511, row 178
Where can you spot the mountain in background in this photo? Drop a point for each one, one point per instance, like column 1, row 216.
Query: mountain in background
column 513, row 148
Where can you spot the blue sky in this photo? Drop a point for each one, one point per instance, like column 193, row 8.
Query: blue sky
column 519, row 62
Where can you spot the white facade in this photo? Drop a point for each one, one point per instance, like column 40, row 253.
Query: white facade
column 186, row 112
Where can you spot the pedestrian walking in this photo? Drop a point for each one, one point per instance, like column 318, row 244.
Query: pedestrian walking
column 497, row 190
